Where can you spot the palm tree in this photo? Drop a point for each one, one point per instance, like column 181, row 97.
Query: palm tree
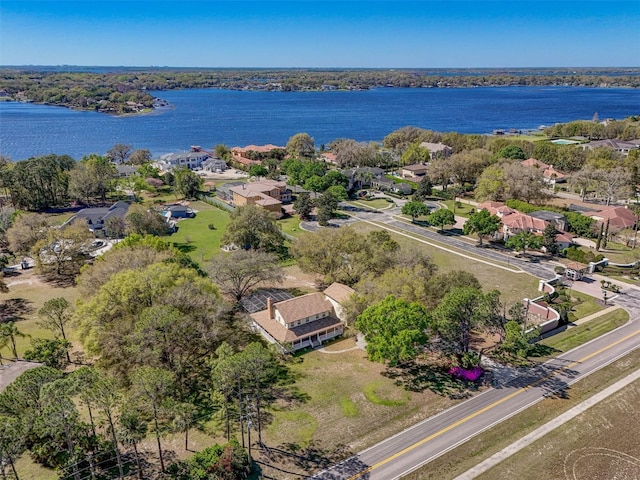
column 8, row 334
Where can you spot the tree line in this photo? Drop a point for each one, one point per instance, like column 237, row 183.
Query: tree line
column 110, row 92
column 181, row 356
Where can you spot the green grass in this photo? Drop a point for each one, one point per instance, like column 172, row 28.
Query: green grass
column 513, row 286
column 29, row 470
column 372, row 393
column 27, row 290
column 194, row 235
column 402, row 180
column 462, row 209
column 585, row 305
column 576, row 336
column 349, row 409
column 291, row 226
column 619, row 253
column 298, row 425
column 374, row 203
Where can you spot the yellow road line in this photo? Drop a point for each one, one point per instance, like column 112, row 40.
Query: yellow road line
column 488, row 407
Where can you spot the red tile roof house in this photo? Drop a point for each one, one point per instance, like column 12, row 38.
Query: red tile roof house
column 550, row 174
column 513, row 221
column 304, row 321
column 619, row 217
column 238, row 153
column 329, row 157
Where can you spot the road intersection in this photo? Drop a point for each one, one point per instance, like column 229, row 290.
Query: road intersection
column 416, row 446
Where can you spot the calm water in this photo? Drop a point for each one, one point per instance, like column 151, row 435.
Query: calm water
column 209, row 117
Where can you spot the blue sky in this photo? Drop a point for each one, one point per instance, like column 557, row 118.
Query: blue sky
column 428, row 34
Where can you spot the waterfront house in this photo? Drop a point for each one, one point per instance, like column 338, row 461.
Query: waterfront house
column 214, row 165
column 125, row 171
column 305, row 321
column 619, row 146
column 247, row 155
column 193, row 159
column 437, row 150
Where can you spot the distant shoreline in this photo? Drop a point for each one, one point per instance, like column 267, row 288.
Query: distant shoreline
column 124, row 91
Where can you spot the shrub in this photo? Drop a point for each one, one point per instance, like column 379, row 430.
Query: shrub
column 470, row 375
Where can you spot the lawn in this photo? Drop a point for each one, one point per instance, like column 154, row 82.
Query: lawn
column 462, row 209
column 194, row 235
column 618, row 253
column 513, row 286
column 291, row 226
column 374, row 203
column 575, row 336
column 350, row 404
column 583, row 306
column 27, row 294
column 599, row 443
column 474, row 451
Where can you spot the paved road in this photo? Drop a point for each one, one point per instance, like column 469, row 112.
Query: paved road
column 425, row 441
column 541, row 269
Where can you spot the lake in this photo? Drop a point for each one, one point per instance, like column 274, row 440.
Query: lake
column 236, row 118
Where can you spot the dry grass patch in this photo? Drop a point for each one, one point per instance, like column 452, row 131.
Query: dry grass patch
column 350, row 401
column 27, row 294
column 474, row 451
column 602, row 442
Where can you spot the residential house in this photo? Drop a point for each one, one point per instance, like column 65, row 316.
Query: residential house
column 559, row 220
column 97, row 216
column 564, row 240
column 619, row 217
column 549, row 174
column 223, row 192
column 268, row 194
column 329, row 157
column 362, row 177
column 214, row 165
column 177, row 210
column 416, row 171
column 519, row 222
column 193, row 159
column 437, row 150
column 305, row 321
column 242, row 155
column 498, row 209
column 617, row 145
column 125, row 171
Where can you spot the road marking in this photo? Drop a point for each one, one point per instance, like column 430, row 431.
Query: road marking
column 548, row 427
column 488, row 407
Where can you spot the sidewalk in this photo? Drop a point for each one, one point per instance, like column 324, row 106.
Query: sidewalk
column 546, row 428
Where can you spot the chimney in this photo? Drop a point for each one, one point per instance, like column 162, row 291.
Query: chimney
column 270, row 308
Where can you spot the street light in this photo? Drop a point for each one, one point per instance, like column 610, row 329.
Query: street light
column 604, row 296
